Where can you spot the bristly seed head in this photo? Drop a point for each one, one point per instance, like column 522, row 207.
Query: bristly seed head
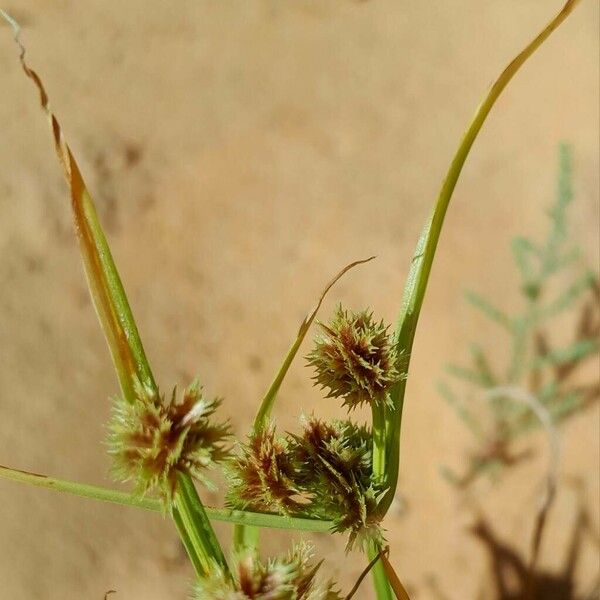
column 264, row 475
column 292, row 577
column 335, row 467
column 326, row 472
column 151, row 439
column 355, row 359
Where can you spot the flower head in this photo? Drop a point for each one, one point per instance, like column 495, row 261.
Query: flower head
column 264, row 475
column 355, row 359
column 292, row 577
column 335, row 468
column 151, row 439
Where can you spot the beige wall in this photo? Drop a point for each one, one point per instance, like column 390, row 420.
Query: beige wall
column 240, row 153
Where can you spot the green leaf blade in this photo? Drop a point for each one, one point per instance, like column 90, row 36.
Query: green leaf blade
column 418, row 277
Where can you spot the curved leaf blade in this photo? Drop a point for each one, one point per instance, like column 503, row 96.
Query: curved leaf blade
column 268, row 401
column 110, row 301
column 420, row 269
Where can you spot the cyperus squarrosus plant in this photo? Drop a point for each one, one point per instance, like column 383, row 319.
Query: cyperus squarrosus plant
column 337, row 476
column 327, row 470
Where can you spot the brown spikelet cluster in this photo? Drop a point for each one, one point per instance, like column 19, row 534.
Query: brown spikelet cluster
column 292, row 577
column 336, row 465
column 355, row 359
column 264, row 475
column 326, row 473
column 151, row 439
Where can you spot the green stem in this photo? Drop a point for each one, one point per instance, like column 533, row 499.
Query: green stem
column 125, row 499
column 269, row 521
column 519, row 347
column 379, row 442
column 195, row 529
column 186, row 540
column 245, row 537
column 420, row 270
column 383, row 591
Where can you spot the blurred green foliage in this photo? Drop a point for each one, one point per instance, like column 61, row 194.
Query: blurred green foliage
column 553, row 285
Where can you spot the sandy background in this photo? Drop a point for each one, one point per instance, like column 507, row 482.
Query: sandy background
column 240, row 153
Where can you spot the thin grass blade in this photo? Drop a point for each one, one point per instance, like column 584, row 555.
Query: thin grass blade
column 399, row 589
column 102, row 494
column 103, row 279
column 117, row 321
column 266, row 405
column 420, row 269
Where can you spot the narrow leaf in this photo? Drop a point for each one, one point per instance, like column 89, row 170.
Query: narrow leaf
column 365, row 572
column 116, row 317
column 524, row 250
column 383, row 591
column 466, row 374
column 420, row 269
column 399, row 590
column 461, row 410
column 195, row 529
column 573, row 353
column 104, row 282
column 489, row 310
column 482, row 365
column 567, row 297
column 268, row 401
column 111, row 496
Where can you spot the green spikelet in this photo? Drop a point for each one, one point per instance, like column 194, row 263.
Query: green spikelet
column 150, row 439
column 355, row 359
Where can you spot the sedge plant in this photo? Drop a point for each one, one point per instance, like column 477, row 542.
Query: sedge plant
column 327, row 476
